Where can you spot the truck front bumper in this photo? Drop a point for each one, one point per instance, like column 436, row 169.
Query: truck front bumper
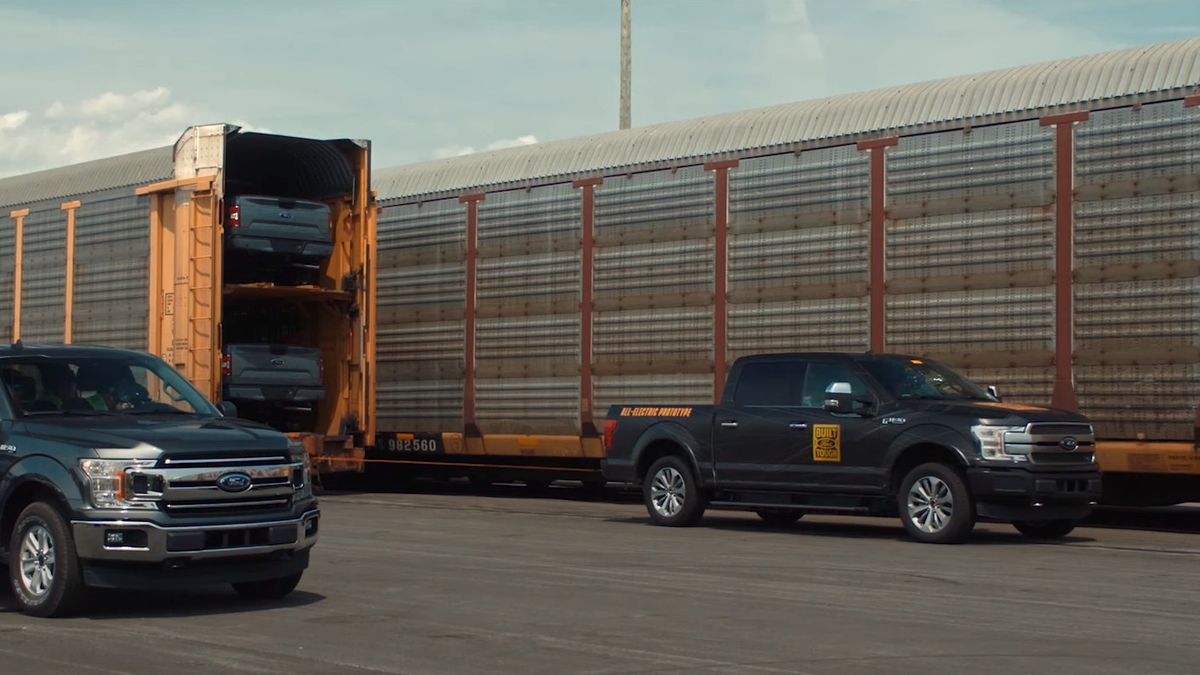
column 132, row 541
column 1009, row 494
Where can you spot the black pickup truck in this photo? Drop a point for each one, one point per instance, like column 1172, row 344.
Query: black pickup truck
column 116, row 472
column 867, row 434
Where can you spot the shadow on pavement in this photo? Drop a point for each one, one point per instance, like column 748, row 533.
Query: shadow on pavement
column 124, row 604
column 866, row 528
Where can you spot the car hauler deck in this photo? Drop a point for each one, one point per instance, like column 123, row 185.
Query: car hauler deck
column 128, row 252
column 1037, row 228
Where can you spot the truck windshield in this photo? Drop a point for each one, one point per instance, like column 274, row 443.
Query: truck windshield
column 119, row 384
column 923, row 379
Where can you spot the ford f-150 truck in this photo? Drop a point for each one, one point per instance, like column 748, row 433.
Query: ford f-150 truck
column 116, row 472
column 868, row 434
column 270, row 236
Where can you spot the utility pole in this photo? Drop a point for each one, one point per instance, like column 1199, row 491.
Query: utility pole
column 624, row 64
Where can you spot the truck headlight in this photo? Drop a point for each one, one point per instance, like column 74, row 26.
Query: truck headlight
column 299, row 455
column 991, row 443
column 108, row 483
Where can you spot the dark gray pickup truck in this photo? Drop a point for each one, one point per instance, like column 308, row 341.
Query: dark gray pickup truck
column 281, row 374
column 116, row 472
column 270, row 235
column 865, row 434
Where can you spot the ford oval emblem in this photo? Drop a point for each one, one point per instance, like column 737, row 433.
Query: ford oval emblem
column 278, row 363
column 1069, row 444
column 234, row 482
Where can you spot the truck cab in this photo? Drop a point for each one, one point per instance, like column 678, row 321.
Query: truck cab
column 116, row 472
column 869, row 434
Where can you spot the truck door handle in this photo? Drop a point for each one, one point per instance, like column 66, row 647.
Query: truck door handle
column 729, row 425
column 798, row 425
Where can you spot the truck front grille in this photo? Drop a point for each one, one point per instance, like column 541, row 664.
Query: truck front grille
column 1053, row 443
column 191, row 485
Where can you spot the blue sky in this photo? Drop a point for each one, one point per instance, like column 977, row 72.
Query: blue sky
column 432, row 78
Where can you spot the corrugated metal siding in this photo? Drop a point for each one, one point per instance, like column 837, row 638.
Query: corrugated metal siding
column 8, row 239
column 1158, row 324
column 653, row 390
column 653, row 232
column 653, row 283
column 834, row 325
column 112, row 270
column 970, row 250
column 78, row 180
column 43, row 298
column 798, row 238
column 1138, row 223
column 1153, row 401
column 1103, row 80
column 420, row 291
column 1009, row 319
column 1029, row 385
column 527, row 340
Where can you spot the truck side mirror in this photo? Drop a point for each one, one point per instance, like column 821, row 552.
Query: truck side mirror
column 839, row 398
column 993, row 392
column 227, row 409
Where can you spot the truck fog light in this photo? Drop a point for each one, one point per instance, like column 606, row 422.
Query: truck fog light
column 125, row 538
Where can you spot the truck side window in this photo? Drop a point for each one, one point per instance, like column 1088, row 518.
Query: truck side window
column 769, row 384
column 821, row 375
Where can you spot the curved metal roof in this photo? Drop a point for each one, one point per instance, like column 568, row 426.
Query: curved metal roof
column 136, row 168
column 1154, row 72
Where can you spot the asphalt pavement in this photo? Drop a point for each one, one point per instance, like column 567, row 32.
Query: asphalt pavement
column 450, row 582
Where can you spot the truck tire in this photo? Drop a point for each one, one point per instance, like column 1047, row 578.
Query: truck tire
column 671, row 493
column 1045, row 529
column 43, row 568
column 779, row 518
column 935, row 504
column 268, row 589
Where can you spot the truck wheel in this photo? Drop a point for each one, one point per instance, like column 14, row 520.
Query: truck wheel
column 43, row 569
column 780, row 518
column 1045, row 529
column 671, row 494
column 268, row 589
column 935, row 505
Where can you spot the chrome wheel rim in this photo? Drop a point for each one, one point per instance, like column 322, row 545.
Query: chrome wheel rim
column 37, row 561
column 930, row 504
column 668, row 491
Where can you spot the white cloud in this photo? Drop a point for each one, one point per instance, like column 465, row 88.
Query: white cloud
column 452, row 151
column 112, row 104
column 459, row 150
column 13, row 120
column 528, row 139
column 111, row 123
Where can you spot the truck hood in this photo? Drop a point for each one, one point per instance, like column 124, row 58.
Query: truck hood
column 210, row 435
column 999, row 413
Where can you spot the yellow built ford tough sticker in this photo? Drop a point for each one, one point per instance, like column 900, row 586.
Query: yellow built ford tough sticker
column 656, row 412
column 827, row 442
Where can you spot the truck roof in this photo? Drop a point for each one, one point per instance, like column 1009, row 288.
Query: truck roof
column 18, row 349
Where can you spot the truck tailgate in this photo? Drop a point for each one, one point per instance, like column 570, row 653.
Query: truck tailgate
column 274, row 365
column 273, row 218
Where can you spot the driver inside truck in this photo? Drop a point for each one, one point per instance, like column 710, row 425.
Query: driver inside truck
column 108, row 386
column 59, row 391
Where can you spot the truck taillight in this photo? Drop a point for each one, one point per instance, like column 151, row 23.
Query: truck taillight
column 610, row 428
column 226, row 365
column 321, row 366
column 234, row 219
